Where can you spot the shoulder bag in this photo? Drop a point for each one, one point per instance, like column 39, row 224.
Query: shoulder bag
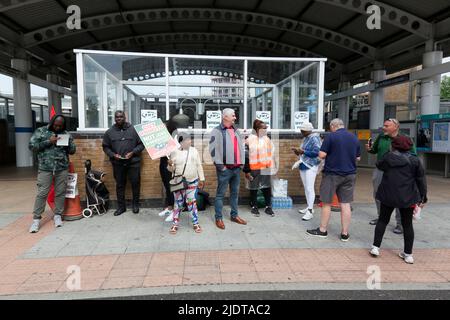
column 178, row 182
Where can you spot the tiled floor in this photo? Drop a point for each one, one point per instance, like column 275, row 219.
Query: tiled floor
column 136, row 251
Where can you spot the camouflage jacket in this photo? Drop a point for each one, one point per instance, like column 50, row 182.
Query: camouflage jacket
column 50, row 157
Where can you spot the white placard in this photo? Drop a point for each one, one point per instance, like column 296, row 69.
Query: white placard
column 441, row 141
column 213, row 119
column 300, row 117
column 264, row 116
column 63, row 140
column 148, row 116
column 71, row 189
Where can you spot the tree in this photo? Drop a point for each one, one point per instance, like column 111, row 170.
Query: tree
column 445, row 88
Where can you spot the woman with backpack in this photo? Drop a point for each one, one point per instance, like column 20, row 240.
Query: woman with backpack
column 403, row 186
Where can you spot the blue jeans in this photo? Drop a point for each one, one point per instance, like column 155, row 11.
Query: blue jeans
column 231, row 177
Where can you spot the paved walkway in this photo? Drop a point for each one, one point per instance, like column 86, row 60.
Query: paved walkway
column 135, row 255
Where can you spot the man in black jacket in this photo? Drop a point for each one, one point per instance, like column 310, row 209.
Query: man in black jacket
column 123, row 146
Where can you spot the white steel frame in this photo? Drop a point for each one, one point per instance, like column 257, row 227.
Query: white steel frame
column 321, row 78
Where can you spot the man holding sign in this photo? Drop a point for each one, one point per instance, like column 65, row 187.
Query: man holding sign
column 123, row 146
column 53, row 163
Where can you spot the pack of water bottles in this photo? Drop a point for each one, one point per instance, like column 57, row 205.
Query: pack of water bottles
column 281, row 202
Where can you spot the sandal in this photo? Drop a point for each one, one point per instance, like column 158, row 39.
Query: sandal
column 197, row 228
column 173, row 230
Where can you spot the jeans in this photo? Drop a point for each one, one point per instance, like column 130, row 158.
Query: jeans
column 227, row 177
column 120, row 175
column 377, row 176
column 44, row 182
column 407, row 224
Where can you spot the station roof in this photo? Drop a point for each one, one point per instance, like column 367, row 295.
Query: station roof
column 335, row 29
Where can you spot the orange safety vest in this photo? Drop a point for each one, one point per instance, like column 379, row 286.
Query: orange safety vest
column 260, row 152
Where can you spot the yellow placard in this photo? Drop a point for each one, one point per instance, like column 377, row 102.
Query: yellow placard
column 363, row 134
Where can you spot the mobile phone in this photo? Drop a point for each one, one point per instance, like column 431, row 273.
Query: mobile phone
column 369, row 142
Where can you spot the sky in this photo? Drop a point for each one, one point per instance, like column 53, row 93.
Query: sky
column 6, row 85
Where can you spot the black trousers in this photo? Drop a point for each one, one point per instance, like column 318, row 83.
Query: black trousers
column 166, row 175
column 267, row 192
column 406, row 215
column 121, row 172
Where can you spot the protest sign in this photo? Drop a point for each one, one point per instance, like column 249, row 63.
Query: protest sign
column 157, row 140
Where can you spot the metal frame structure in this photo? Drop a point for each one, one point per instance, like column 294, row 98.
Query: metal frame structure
column 245, row 59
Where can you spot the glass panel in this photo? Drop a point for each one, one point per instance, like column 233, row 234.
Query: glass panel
column 151, row 97
column 37, row 110
column 307, row 93
column 3, row 111
column 278, row 97
column 94, row 80
column 200, row 85
column 112, row 100
column 103, row 74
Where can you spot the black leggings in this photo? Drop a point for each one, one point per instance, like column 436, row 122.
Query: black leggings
column 407, row 224
column 267, row 192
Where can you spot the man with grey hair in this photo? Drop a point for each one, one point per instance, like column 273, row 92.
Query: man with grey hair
column 228, row 154
column 341, row 150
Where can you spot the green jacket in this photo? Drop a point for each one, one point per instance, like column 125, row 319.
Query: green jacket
column 50, row 157
column 382, row 145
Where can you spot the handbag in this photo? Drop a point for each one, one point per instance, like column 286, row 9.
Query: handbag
column 178, row 182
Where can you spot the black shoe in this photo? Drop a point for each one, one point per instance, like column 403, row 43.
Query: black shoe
column 269, row 211
column 135, row 209
column 345, row 237
column 255, row 211
column 118, row 212
column 373, row 222
column 317, row 233
column 398, row 229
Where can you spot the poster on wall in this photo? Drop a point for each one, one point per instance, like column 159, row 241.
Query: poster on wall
column 423, row 139
column 213, row 119
column 148, row 116
column 157, row 140
column 300, row 117
column 71, row 188
column 441, row 141
column 264, row 116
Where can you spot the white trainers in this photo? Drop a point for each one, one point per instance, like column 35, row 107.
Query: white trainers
column 407, row 257
column 165, row 212
column 57, row 220
column 308, row 215
column 375, row 251
column 35, row 226
column 303, row 211
column 170, row 217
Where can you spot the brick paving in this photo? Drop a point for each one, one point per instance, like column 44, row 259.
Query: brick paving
column 137, row 252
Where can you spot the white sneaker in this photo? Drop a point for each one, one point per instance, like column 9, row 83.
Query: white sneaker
column 375, row 251
column 170, row 217
column 57, row 220
column 166, row 211
column 303, row 211
column 407, row 257
column 308, row 215
column 35, row 226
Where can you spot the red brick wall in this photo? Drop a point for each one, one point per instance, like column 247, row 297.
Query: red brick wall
column 151, row 185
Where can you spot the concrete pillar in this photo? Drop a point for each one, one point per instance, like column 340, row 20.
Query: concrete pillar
column 343, row 105
column 430, row 89
column 74, row 100
column 54, row 98
column 377, row 101
column 23, row 121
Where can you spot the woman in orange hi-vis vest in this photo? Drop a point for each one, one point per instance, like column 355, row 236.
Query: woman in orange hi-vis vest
column 259, row 166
